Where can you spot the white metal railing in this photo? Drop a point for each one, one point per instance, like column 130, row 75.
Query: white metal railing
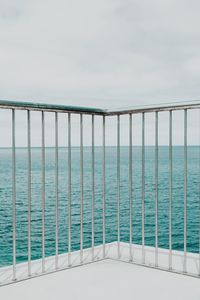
column 130, row 112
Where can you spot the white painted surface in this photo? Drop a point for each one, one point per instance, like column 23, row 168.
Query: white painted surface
column 106, row 279
column 193, row 261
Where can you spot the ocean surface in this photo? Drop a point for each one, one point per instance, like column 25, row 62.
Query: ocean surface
column 193, row 199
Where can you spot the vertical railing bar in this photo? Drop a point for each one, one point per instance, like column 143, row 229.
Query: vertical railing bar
column 93, row 183
column 143, row 185
column 130, row 189
column 14, row 193
column 104, row 191
column 170, row 190
column 29, row 190
column 156, row 189
column 118, row 186
column 81, row 188
column 69, row 189
column 56, row 186
column 43, row 192
column 185, row 192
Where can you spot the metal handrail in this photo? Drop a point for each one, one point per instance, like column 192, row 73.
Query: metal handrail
column 98, row 111
column 156, row 108
column 129, row 112
column 50, row 107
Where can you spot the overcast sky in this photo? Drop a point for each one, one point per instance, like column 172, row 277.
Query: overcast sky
column 106, row 53
column 99, row 53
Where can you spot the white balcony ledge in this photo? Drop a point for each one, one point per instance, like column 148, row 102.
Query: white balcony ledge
column 105, row 279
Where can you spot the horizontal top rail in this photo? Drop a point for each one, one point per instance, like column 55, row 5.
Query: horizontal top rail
column 158, row 107
column 49, row 107
column 97, row 111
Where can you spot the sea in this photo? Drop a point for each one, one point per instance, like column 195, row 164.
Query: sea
column 193, row 199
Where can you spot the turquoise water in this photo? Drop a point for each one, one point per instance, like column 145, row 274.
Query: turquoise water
column 193, row 194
